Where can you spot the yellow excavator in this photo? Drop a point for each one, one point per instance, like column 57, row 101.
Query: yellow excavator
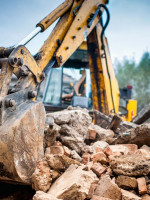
column 78, row 43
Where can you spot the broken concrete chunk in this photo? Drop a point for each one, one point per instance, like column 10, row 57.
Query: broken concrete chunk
column 43, row 196
column 139, row 135
column 92, row 189
column 126, row 182
column 145, row 197
column 74, row 155
column 73, row 184
column 72, row 139
column 61, row 117
column 108, row 189
column 126, row 195
column 99, row 198
column 123, row 149
column 60, row 162
column 57, row 150
column 100, row 144
column 86, row 158
column 79, row 120
column 41, row 178
column 130, row 165
column 50, row 134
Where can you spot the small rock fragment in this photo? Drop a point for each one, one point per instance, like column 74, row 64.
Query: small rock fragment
column 86, row 158
column 92, row 133
column 99, row 198
column 129, row 196
column 142, row 185
column 145, row 197
column 74, row 155
column 126, row 182
column 60, row 162
column 99, row 157
column 41, row 178
column 43, row 196
column 98, row 169
column 57, row 150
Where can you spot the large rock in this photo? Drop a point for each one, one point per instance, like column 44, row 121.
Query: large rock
column 131, row 165
column 108, row 189
column 73, row 184
column 126, row 195
column 42, row 176
column 78, row 119
column 21, row 142
column 72, row 139
column 43, row 196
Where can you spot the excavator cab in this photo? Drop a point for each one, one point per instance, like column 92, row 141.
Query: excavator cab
column 68, row 85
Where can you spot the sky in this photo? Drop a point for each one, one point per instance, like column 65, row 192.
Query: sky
column 128, row 32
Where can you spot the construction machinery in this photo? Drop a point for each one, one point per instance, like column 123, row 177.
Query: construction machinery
column 80, row 30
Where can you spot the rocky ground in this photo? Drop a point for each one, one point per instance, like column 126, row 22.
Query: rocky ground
column 86, row 161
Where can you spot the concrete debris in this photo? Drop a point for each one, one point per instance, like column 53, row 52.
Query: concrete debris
column 145, row 197
column 60, row 162
column 126, row 182
column 73, row 184
column 43, row 196
column 126, row 195
column 131, row 165
column 85, row 161
column 72, row 139
column 51, row 132
column 41, row 178
column 139, row 135
column 108, row 189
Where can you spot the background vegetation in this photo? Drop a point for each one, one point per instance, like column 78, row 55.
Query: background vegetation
column 137, row 75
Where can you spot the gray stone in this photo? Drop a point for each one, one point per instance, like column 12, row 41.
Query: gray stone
column 131, row 165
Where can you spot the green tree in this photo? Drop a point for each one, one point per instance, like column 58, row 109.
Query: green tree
column 137, row 75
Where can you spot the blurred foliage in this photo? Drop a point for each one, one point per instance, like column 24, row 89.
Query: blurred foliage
column 137, row 75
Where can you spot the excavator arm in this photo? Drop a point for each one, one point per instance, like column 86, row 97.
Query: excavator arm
column 22, row 119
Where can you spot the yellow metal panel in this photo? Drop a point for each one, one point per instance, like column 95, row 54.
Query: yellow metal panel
column 99, row 97
column 132, row 110
column 102, row 96
column 78, row 30
column 51, row 44
column 55, row 14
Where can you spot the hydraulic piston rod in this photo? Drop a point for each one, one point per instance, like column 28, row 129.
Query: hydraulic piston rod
column 30, row 36
column 47, row 21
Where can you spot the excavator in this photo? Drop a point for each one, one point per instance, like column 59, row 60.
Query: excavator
column 73, row 67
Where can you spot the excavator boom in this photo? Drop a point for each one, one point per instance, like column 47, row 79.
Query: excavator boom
column 22, row 119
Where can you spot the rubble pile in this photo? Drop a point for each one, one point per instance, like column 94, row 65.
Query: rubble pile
column 87, row 161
